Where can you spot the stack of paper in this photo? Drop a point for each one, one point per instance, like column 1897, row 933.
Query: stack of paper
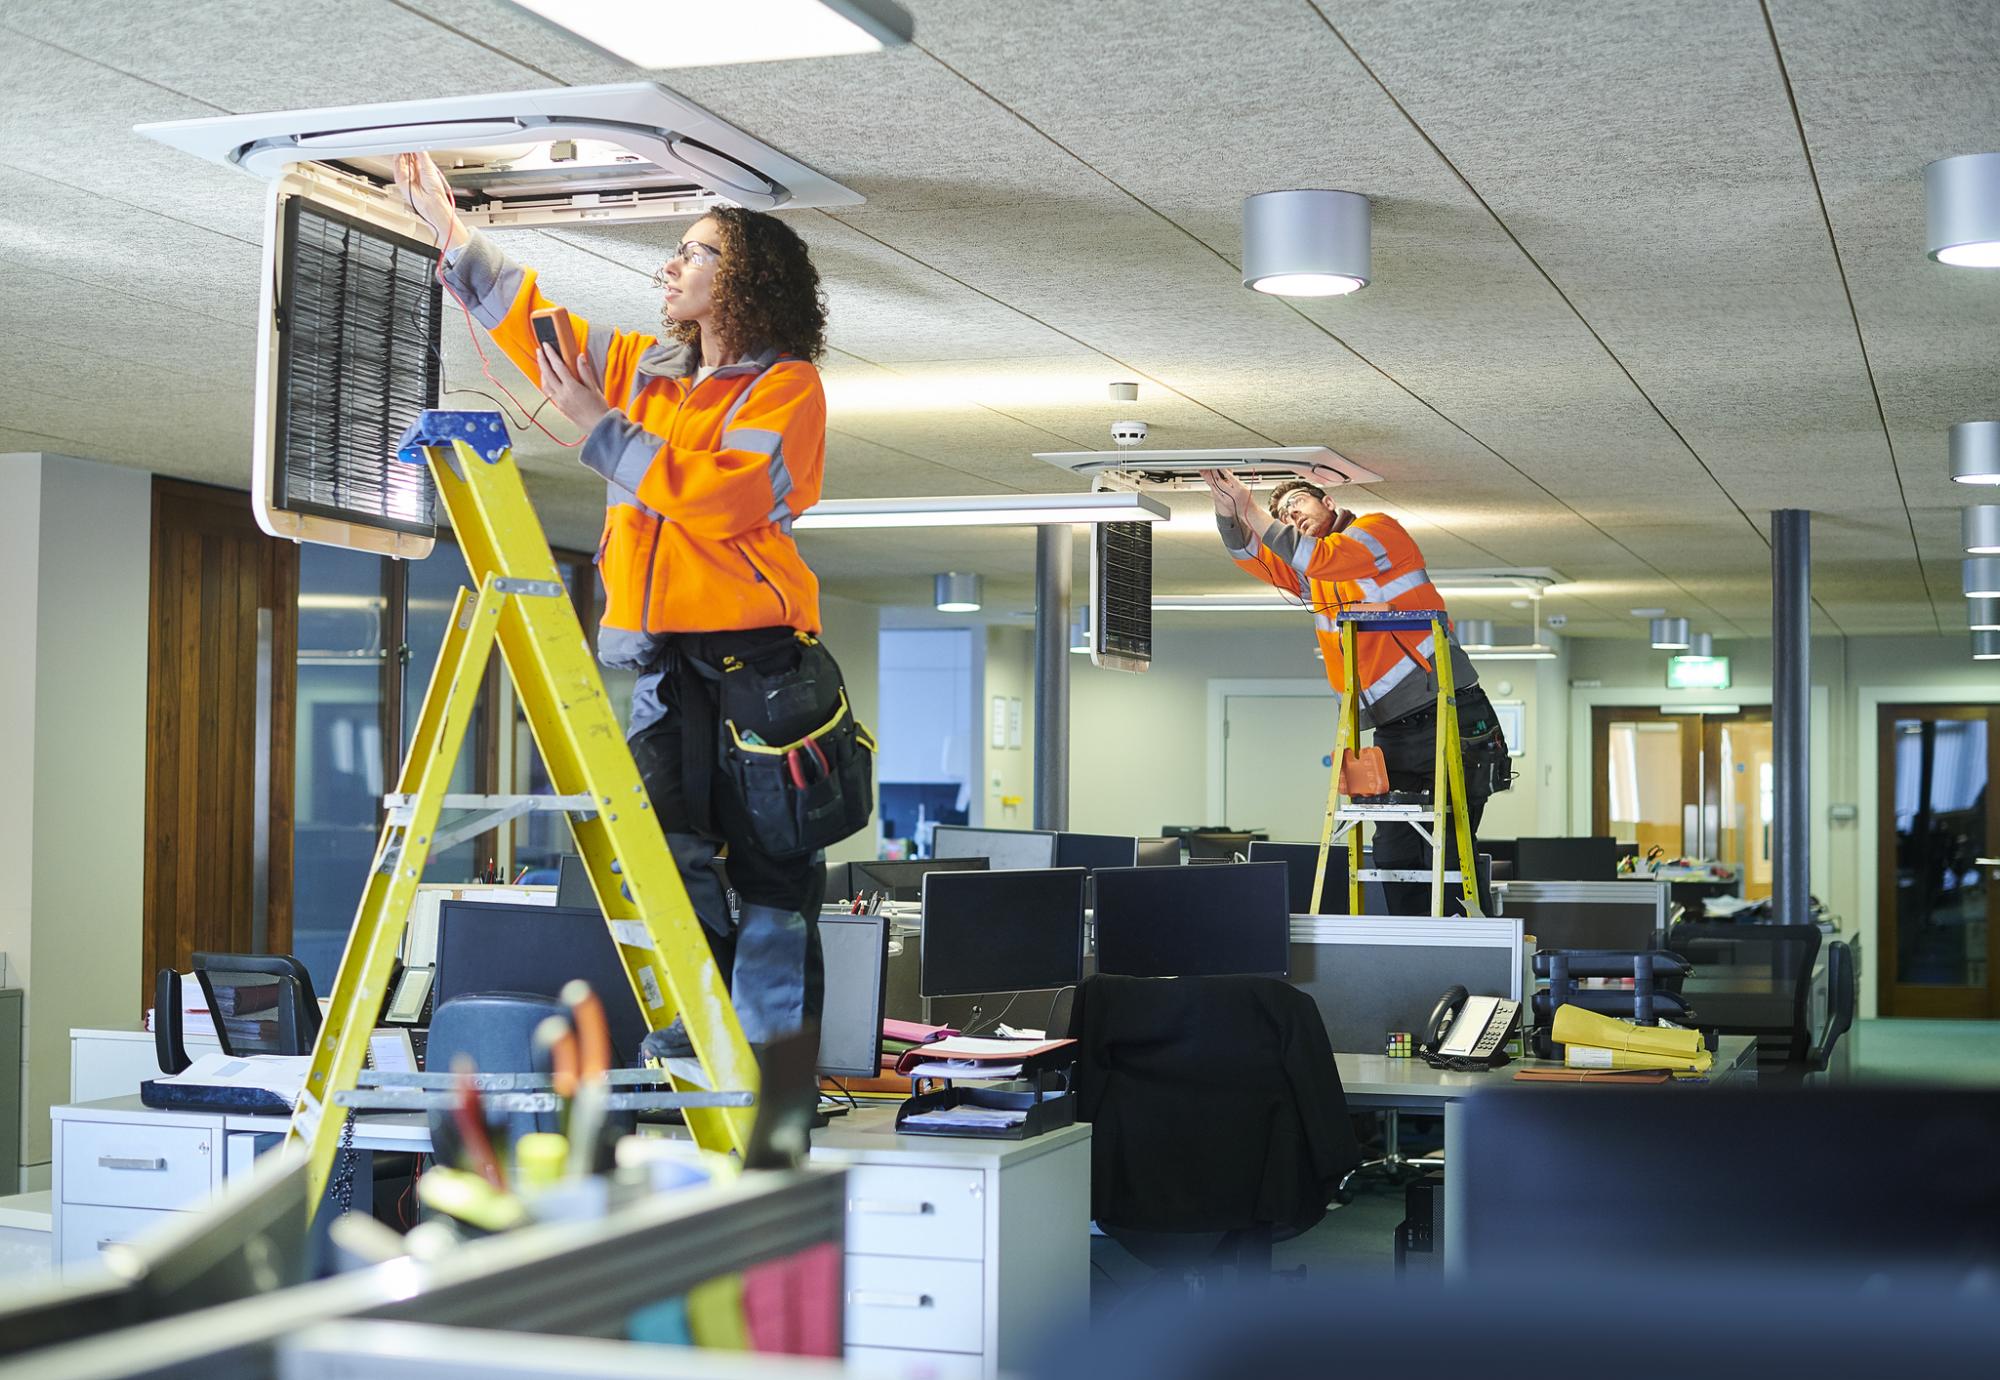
column 987, row 1057
column 1593, row 1041
column 196, row 1023
column 967, row 1119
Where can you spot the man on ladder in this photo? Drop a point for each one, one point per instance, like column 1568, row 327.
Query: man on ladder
column 1329, row 560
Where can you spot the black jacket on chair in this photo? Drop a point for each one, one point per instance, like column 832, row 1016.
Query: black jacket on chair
column 1214, row 1104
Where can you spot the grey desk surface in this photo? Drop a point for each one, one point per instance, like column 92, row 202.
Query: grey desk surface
column 1379, row 1081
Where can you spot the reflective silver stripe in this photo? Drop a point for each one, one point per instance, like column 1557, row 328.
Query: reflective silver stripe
column 1379, row 551
column 1371, row 593
column 1398, row 673
column 1291, row 547
column 744, row 396
column 781, row 484
column 756, row 440
column 1403, row 584
column 1325, row 624
column 597, row 350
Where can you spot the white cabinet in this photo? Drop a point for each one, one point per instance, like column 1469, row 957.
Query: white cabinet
column 121, row 1168
column 113, row 1063
column 961, row 1254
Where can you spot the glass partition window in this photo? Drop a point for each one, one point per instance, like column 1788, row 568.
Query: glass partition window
column 1645, row 781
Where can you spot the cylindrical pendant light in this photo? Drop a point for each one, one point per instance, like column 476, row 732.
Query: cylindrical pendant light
column 1986, row 645
column 1975, row 452
column 1982, row 614
column 1475, row 632
column 1979, row 528
column 1670, row 634
column 957, row 592
column 1982, row 577
column 1305, row 243
column 1962, row 210
column 1702, row 645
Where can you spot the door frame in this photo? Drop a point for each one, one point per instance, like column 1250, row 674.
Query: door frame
column 1933, row 1003
column 1219, row 692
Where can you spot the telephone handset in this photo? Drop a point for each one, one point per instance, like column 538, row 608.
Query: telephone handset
column 1465, row 1033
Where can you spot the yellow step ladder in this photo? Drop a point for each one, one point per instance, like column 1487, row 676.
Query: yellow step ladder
column 1448, row 816
column 521, row 604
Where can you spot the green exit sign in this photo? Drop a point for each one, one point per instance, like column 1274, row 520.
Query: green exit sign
column 1697, row 673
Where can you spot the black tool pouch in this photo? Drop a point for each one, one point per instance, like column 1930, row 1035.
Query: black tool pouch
column 1488, row 768
column 797, row 769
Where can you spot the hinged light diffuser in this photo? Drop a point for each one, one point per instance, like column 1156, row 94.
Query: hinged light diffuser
column 1256, row 466
column 628, row 152
column 1975, row 452
column 706, row 33
column 1962, row 210
column 1306, row 243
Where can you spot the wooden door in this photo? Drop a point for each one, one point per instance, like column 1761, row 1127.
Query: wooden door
column 219, row 687
column 1937, row 843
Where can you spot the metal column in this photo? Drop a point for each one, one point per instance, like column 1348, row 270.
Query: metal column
column 1053, row 544
column 1791, row 712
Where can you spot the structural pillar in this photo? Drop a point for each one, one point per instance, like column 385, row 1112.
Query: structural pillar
column 1791, row 713
column 1053, row 546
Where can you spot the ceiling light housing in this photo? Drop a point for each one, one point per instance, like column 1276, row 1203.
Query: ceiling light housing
column 1986, row 645
column 649, row 34
column 1256, row 466
column 981, row 510
column 1979, row 529
column 1975, row 452
column 1700, row 645
column 1474, row 632
column 1308, row 243
column 1670, row 634
column 1983, row 614
column 957, row 592
column 1962, row 210
column 1981, row 577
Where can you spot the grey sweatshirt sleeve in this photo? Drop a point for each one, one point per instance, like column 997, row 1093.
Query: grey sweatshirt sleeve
column 485, row 279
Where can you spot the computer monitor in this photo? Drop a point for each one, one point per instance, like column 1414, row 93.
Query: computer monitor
column 1160, row 852
column 850, row 1022
column 1013, row 931
column 1092, row 851
column 1301, row 861
column 1551, row 1171
column 1194, row 922
column 1591, row 859
column 485, row 946
column 1002, row 847
column 903, row 879
column 1217, row 846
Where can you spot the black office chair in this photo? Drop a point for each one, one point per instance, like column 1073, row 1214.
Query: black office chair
column 1785, row 953
column 260, row 1003
column 1841, row 997
column 1218, row 1121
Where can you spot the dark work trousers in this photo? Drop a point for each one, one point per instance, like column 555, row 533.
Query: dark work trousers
column 1409, row 749
column 781, row 974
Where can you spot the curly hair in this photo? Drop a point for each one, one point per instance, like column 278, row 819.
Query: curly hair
column 767, row 291
column 1287, row 489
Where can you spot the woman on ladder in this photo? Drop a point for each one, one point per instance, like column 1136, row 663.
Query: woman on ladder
column 711, row 439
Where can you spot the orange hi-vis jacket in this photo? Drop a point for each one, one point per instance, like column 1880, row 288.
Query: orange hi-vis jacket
column 703, row 477
column 1373, row 562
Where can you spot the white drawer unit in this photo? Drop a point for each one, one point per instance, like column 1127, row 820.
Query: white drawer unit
column 924, row 1305
column 126, row 1164
column 938, row 1214
column 962, row 1254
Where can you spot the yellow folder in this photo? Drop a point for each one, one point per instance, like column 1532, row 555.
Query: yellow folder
column 1576, row 1026
column 1598, row 1057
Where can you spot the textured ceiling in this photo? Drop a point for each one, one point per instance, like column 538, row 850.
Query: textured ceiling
column 1643, row 273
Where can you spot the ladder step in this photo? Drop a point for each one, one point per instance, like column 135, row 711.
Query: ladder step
column 1404, row 874
column 1384, row 812
column 396, row 800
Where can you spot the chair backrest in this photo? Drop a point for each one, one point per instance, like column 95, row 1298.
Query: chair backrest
column 1841, row 997
column 260, row 1003
column 496, row 1031
column 1214, row 1101
column 1785, row 952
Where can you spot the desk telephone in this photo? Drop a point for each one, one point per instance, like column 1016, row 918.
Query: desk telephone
column 1465, row 1033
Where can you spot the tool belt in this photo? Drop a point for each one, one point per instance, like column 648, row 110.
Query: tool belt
column 1409, row 747
column 771, row 751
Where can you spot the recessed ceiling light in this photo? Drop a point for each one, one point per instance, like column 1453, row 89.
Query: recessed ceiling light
column 1648, row 613
column 647, row 33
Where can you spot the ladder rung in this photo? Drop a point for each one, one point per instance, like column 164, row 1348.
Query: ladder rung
column 420, row 1100
column 396, row 800
column 1384, row 812
column 1404, row 874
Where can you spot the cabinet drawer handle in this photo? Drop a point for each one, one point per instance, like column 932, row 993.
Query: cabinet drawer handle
column 876, row 1298
column 884, row 1207
column 129, row 1162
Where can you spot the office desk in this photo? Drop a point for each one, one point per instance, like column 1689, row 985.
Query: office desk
column 1411, row 1085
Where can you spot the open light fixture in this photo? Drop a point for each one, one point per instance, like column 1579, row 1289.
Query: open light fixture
column 650, row 34
column 1306, row 243
column 1981, row 577
column 1975, row 452
column 1962, row 210
column 982, row 510
column 957, row 592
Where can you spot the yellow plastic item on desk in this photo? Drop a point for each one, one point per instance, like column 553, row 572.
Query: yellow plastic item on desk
column 1598, row 1057
column 1575, row 1026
